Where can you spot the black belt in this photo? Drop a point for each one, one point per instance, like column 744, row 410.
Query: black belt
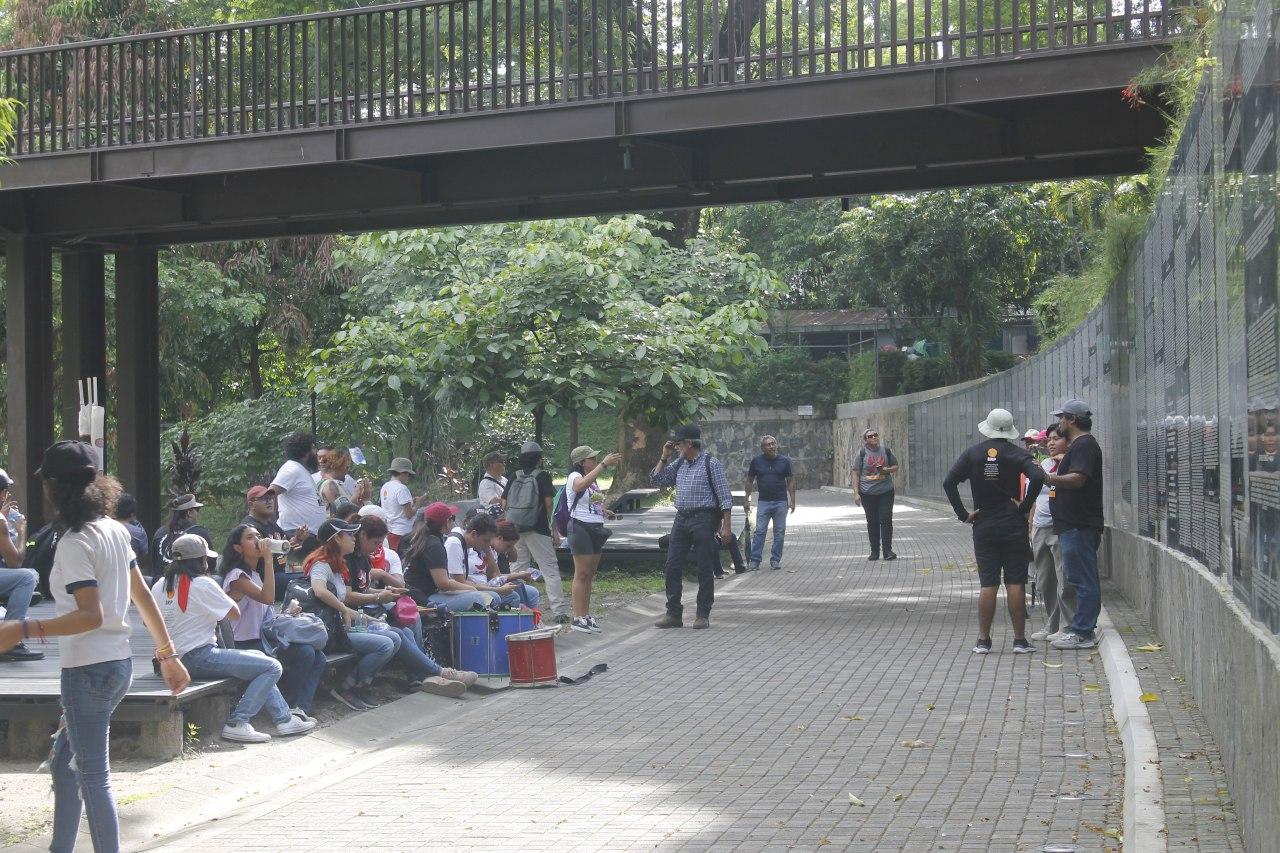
column 696, row 510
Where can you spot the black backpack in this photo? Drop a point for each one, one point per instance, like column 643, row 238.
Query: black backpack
column 40, row 551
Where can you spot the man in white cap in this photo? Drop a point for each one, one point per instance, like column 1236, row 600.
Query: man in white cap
column 999, row 519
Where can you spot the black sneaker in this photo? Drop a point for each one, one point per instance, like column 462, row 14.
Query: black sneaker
column 368, row 696
column 347, row 696
column 982, row 647
column 874, row 557
column 20, row 653
column 891, row 556
column 1022, row 647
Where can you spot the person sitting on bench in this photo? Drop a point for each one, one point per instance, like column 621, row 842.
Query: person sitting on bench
column 192, row 604
column 254, row 591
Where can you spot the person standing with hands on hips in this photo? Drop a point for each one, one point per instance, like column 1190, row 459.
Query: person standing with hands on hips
column 587, row 535
column 95, row 576
column 999, row 520
column 873, row 470
column 703, row 505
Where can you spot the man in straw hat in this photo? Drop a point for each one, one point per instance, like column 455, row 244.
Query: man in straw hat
column 999, row 520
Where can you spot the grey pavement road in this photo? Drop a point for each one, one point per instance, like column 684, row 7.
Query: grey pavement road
column 757, row 734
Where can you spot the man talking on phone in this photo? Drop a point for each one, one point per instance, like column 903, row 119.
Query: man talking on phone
column 703, row 503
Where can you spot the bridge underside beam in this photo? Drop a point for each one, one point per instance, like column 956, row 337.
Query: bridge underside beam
column 1060, row 116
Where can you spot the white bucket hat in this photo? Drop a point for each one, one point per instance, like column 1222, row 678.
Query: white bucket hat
column 999, row 424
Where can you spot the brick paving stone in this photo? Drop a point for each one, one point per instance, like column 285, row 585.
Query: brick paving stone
column 753, row 735
column 1199, row 812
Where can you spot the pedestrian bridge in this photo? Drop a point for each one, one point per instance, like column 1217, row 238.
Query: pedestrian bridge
column 451, row 111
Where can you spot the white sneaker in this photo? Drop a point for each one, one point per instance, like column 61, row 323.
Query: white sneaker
column 303, row 715
column 1074, row 641
column 440, row 686
column 294, row 726
column 465, row 676
column 1056, row 635
column 244, row 733
column 1041, row 635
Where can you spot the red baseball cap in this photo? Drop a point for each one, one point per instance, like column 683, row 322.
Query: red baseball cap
column 439, row 513
column 256, row 492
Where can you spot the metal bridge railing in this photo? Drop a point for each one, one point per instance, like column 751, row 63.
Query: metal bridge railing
column 444, row 57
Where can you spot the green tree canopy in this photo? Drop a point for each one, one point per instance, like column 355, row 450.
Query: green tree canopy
column 555, row 314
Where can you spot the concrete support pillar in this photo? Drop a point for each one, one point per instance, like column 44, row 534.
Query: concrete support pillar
column 29, row 307
column 84, row 330
column 138, row 379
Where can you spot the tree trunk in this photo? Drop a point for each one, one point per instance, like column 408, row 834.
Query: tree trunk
column 573, row 428
column 255, row 362
column 538, row 414
column 641, row 447
column 685, row 223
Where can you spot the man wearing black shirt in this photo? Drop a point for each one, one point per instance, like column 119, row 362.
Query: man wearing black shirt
column 1077, row 519
column 999, row 521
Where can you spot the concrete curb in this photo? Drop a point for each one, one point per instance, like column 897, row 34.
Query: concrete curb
column 1144, row 818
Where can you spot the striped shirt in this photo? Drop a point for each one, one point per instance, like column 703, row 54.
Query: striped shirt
column 693, row 491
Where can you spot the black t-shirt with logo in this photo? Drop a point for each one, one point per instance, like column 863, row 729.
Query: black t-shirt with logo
column 992, row 468
column 1080, row 509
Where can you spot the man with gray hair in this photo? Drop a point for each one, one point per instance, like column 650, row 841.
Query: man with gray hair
column 777, row 498
column 999, row 520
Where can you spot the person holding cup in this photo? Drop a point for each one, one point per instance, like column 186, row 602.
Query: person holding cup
column 587, row 533
column 245, row 561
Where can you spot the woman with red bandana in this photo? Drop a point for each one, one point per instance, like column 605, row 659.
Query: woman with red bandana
column 192, row 604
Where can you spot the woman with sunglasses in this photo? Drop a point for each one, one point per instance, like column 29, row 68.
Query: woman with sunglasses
column 330, row 579
column 873, row 470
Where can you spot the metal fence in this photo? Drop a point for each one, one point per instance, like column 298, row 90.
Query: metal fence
column 1181, row 363
column 444, row 57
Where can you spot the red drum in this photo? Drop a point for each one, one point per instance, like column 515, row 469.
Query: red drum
column 532, row 655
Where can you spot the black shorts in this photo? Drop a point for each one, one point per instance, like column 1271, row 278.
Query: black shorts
column 1002, row 547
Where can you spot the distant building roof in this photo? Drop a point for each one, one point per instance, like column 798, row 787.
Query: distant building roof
column 835, row 319
column 853, row 319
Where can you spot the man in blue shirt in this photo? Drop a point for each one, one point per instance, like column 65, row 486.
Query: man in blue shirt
column 777, row 498
column 703, row 502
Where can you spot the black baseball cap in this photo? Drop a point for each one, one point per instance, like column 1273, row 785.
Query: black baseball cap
column 332, row 527
column 66, row 459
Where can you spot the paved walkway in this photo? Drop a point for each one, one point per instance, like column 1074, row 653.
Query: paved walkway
column 757, row 734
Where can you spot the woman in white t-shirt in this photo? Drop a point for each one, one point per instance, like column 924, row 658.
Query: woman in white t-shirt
column 94, row 577
column 254, row 592
column 192, row 604
column 587, row 515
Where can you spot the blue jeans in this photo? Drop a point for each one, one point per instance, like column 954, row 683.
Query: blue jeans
column 410, row 654
column 80, row 761
column 1080, row 560
column 303, row 669
column 524, row 593
column 17, row 585
column 374, row 649
column 456, row 602
column 765, row 511
column 258, row 669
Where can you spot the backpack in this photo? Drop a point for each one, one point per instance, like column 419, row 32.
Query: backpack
column 522, row 500
column 564, row 509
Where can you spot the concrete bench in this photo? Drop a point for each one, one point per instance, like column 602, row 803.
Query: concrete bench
column 150, row 722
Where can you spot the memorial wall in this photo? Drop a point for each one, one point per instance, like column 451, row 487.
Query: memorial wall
column 1180, row 366
column 1179, row 363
